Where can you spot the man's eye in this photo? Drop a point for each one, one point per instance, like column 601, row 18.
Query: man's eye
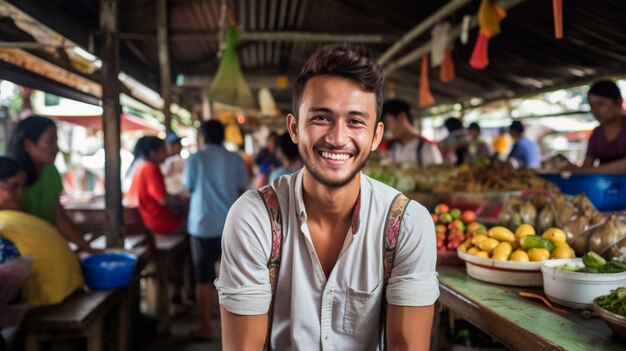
column 320, row 118
column 356, row 121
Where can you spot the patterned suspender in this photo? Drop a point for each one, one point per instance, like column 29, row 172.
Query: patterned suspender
column 392, row 229
column 273, row 210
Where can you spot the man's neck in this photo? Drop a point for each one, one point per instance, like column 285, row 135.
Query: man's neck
column 326, row 204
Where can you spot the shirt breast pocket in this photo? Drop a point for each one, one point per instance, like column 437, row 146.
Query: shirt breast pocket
column 362, row 312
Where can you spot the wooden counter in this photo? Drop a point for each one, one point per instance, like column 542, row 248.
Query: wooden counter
column 521, row 323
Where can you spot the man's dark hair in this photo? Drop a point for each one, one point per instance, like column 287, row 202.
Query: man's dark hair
column 607, row 89
column 452, row 124
column 395, row 107
column 517, row 126
column 213, row 132
column 30, row 128
column 8, row 167
column 474, row 126
column 288, row 147
column 352, row 62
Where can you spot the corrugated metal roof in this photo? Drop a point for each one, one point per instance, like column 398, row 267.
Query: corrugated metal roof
column 524, row 58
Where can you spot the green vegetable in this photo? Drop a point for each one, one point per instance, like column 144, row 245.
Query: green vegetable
column 588, row 269
column 614, row 302
column 535, row 241
column 613, row 267
column 592, row 259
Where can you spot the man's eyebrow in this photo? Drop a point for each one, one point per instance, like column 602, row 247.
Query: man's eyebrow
column 330, row 112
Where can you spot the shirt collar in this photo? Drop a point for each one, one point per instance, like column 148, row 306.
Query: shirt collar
column 356, row 214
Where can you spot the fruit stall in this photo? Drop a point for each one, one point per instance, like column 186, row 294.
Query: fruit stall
column 528, row 258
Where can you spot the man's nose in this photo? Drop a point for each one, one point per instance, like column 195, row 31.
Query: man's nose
column 338, row 134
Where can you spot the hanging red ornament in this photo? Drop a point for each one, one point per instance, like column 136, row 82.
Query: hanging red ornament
column 425, row 97
column 480, row 57
column 557, row 8
column 446, row 71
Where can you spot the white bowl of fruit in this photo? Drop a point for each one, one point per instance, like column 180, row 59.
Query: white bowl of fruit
column 503, row 257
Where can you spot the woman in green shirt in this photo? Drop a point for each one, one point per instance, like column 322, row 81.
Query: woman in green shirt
column 33, row 145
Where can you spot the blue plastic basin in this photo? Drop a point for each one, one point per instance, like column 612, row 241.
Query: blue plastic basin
column 109, row 270
column 606, row 192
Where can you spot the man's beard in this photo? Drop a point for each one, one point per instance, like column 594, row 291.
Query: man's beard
column 330, row 183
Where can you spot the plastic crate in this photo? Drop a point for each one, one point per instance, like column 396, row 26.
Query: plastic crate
column 606, row 192
column 109, row 270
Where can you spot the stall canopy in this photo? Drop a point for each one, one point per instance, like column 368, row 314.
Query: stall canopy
column 129, row 123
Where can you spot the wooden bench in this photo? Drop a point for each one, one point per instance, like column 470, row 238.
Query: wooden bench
column 82, row 315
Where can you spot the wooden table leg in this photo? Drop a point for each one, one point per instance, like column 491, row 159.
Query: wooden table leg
column 95, row 340
column 123, row 316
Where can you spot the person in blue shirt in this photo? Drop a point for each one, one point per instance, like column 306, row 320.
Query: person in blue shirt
column 215, row 177
column 525, row 153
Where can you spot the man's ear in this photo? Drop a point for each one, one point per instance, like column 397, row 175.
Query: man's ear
column 378, row 135
column 292, row 127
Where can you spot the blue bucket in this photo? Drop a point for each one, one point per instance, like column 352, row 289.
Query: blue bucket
column 109, row 270
column 606, row 192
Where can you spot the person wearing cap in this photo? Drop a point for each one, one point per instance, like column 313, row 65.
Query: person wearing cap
column 525, row 153
column 172, row 167
column 606, row 151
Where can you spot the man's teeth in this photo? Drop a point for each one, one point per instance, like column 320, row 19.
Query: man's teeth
column 340, row 157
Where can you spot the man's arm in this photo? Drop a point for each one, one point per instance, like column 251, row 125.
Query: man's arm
column 409, row 328
column 242, row 332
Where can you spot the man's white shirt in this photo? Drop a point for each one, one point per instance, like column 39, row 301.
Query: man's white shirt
column 311, row 311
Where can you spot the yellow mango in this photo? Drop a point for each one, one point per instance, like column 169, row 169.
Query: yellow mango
column 465, row 245
column 519, row 256
column 555, row 235
column 488, row 245
column 478, row 238
column 502, row 251
column 538, row 254
column 562, row 251
column 501, row 234
column 472, row 250
column 482, row 254
column 524, row 230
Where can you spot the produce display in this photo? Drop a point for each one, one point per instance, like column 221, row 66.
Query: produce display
column 614, row 302
column 586, row 228
column 495, row 177
column 595, row 263
column 452, row 226
column 408, row 177
column 499, row 243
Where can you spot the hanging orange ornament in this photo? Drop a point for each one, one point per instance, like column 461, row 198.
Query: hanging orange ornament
column 489, row 18
column 425, row 97
column 557, row 9
column 446, row 71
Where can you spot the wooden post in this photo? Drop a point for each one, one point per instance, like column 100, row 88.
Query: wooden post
column 110, row 54
column 164, row 61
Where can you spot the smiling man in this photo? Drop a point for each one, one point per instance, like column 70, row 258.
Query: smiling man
column 343, row 275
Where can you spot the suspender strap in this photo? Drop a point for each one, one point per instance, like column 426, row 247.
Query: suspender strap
column 273, row 209
column 390, row 242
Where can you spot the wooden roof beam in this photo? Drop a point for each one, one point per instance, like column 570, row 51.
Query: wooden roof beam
column 454, row 33
column 422, row 27
column 270, row 36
